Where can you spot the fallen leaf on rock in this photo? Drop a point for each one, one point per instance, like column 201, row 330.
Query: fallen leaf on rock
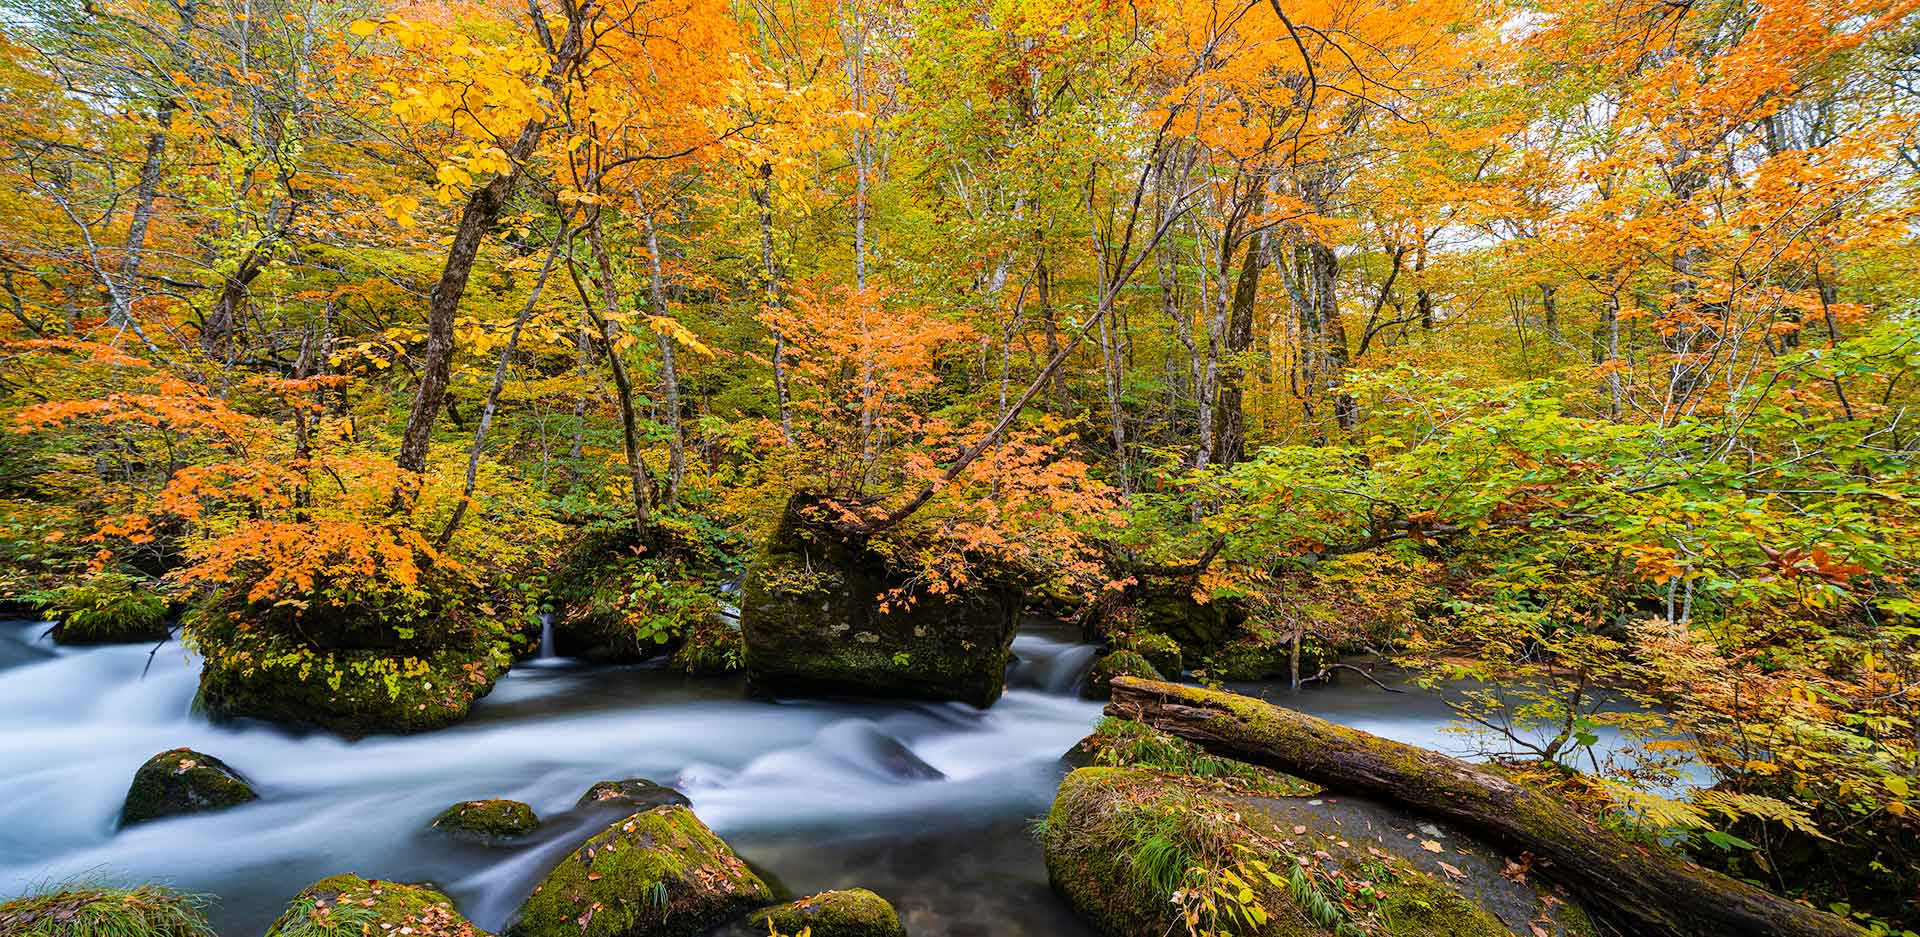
column 1429, row 845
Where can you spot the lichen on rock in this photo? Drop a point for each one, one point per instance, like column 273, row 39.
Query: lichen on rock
column 181, row 780
column 849, row 912
column 351, row 906
column 657, row 873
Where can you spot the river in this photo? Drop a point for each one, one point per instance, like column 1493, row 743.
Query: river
column 928, row 804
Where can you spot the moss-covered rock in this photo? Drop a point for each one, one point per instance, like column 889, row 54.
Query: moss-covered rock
column 658, row 873
column 1122, row 847
column 633, row 794
column 849, row 912
column 90, row 911
column 814, row 624
column 712, row 646
column 487, row 819
column 107, row 608
column 1099, row 683
column 1159, row 650
column 352, row 692
column 181, row 780
column 1253, row 657
column 1173, row 611
column 351, row 906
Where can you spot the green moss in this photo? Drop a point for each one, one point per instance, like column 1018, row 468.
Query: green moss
column 93, row 911
column 1116, row 664
column 1159, row 650
column 658, row 873
column 182, row 780
column 351, row 906
column 354, row 693
column 851, row 912
column 106, row 608
column 488, row 819
column 634, row 794
column 1251, row 658
column 1122, row 743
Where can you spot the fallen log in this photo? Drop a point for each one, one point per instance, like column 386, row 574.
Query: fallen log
column 1648, row 891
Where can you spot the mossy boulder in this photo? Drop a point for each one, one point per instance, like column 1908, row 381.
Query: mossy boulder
column 658, row 873
column 1099, row 683
column 1121, row 846
column 633, row 794
column 108, row 608
column 1253, row 657
column 352, row 692
column 350, row 905
column 181, row 780
column 87, row 911
column 487, row 820
column 1159, row 650
column 814, row 623
column 849, row 912
column 1171, row 609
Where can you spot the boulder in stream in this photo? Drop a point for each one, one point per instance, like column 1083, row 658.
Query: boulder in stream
column 84, row 910
column 1122, row 663
column 658, row 873
column 814, row 622
column 633, row 794
column 181, row 780
column 487, row 820
column 351, row 905
column 848, row 912
column 355, row 692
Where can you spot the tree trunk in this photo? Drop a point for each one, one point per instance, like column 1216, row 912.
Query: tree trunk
column 1650, row 892
column 622, row 384
column 763, row 197
column 669, row 375
column 1229, row 410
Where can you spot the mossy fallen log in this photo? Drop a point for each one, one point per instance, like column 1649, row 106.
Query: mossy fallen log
column 1648, row 891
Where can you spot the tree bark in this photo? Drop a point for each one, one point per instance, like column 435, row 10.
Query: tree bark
column 1651, row 892
column 669, row 373
column 1229, row 409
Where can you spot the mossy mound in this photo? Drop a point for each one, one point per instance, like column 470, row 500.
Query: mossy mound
column 1122, row 743
column 634, row 794
column 351, row 906
column 1159, row 650
column 658, row 873
column 620, row 598
column 1099, row 683
column 1252, row 658
column 107, row 608
column 850, row 912
column 711, row 647
column 88, row 911
column 487, row 819
column 1133, row 850
column 181, row 780
column 352, row 692
column 814, row 624
column 1172, row 610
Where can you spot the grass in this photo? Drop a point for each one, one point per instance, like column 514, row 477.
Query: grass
column 1119, row 743
column 79, row 909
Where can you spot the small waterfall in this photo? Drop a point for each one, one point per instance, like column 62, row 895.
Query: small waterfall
column 1050, row 666
column 546, row 636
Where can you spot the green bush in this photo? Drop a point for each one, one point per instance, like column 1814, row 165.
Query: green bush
column 104, row 608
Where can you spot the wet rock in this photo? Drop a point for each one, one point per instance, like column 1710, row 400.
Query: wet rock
column 352, row 692
column 813, row 624
column 147, row 911
column 1173, row 611
column 1119, row 843
column 633, row 794
column 351, row 905
column 182, row 780
column 850, row 912
column 487, row 820
column 1159, row 650
column 658, row 873
column 1116, row 664
column 1252, row 658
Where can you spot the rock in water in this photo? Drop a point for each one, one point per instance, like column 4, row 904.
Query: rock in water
column 488, row 820
column 354, row 692
column 851, row 912
column 351, row 905
column 658, row 873
column 814, row 623
column 633, row 794
column 1117, row 664
column 182, row 780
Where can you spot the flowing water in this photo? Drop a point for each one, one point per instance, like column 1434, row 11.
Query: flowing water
column 928, row 804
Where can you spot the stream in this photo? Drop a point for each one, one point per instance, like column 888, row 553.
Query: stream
column 928, row 804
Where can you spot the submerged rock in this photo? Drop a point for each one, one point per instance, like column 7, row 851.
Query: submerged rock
column 1132, row 849
column 850, row 912
column 488, row 819
column 181, row 780
column 350, row 905
column 814, row 624
column 146, row 911
column 1116, row 664
column 352, row 692
column 634, row 794
column 658, row 873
